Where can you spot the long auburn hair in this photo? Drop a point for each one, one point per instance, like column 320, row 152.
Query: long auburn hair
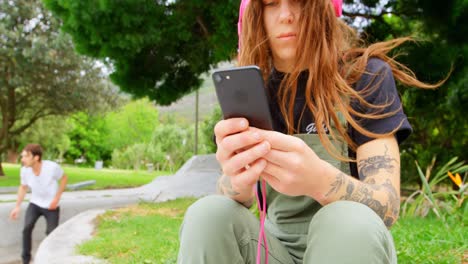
column 335, row 58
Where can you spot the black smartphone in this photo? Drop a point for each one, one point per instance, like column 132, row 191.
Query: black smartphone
column 241, row 93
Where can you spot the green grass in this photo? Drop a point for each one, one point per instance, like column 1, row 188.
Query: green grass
column 428, row 240
column 105, row 178
column 148, row 233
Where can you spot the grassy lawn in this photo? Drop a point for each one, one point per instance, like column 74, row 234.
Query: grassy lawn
column 105, row 178
column 428, row 240
column 148, row 233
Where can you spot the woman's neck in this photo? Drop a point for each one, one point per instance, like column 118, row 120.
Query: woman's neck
column 281, row 65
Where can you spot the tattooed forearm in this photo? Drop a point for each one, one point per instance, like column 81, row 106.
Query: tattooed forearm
column 365, row 194
column 225, row 186
column 393, row 203
column 381, row 198
column 336, row 185
column 372, row 165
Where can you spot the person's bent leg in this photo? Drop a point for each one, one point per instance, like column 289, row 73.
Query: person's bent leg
column 32, row 214
column 52, row 219
column 217, row 229
column 349, row 232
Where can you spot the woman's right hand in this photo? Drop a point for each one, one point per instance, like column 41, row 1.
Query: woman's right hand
column 240, row 151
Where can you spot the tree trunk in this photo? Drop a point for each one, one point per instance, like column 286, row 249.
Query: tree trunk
column 2, row 174
column 195, row 150
column 12, row 156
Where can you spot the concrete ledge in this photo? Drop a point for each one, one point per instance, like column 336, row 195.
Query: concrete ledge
column 59, row 246
column 73, row 187
column 79, row 185
column 8, row 189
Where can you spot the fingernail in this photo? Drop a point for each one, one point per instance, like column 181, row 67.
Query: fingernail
column 243, row 123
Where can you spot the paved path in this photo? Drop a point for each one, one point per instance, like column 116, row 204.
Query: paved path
column 196, row 178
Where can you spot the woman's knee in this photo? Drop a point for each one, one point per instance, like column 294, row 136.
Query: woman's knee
column 353, row 230
column 347, row 219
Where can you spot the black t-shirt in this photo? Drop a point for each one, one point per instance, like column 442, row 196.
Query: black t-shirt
column 377, row 73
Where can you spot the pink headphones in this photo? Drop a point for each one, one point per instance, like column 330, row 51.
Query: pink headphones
column 336, row 3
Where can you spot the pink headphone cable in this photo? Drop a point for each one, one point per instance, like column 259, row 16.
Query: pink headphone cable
column 262, row 211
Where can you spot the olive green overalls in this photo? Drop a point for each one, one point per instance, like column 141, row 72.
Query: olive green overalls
column 218, row 230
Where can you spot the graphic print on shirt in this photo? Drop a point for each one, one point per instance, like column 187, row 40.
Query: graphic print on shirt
column 312, row 129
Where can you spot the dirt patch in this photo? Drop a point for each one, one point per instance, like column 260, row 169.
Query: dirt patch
column 136, row 210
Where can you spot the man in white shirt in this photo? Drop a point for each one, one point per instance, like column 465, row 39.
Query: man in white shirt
column 41, row 177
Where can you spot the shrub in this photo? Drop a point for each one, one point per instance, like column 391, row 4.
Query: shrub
column 433, row 196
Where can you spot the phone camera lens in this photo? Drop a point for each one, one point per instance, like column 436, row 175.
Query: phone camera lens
column 218, row 78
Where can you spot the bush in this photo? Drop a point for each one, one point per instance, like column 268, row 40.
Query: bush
column 208, row 130
column 433, row 197
column 172, row 145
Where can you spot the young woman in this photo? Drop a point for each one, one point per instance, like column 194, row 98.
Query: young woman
column 332, row 165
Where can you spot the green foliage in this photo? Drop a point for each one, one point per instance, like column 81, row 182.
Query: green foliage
column 87, row 137
column 437, row 116
column 133, row 123
column 431, row 197
column 95, row 136
column 51, row 133
column 130, row 157
column 158, row 48
column 171, row 145
column 208, row 129
column 40, row 74
column 175, row 143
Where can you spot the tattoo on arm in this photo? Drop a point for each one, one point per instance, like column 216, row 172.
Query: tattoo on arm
column 393, row 203
column 226, row 187
column 336, row 185
column 372, row 165
column 366, row 194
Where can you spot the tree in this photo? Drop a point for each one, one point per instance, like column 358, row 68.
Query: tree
column 133, row 123
column 174, row 143
column 208, row 130
column 40, row 74
column 51, row 132
column 87, row 136
column 157, row 48
column 439, row 116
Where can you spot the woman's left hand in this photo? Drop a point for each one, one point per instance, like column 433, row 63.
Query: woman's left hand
column 293, row 168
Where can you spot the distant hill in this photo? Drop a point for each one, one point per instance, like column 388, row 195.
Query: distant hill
column 183, row 110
